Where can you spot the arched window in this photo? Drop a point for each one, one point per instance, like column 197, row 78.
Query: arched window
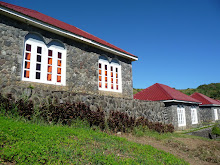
column 115, row 69
column 103, row 82
column 42, row 63
column 109, row 75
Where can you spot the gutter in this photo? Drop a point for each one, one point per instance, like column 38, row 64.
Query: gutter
column 210, row 105
column 180, row 101
column 48, row 27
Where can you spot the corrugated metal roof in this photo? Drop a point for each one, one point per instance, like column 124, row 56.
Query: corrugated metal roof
column 205, row 100
column 160, row 92
column 62, row 25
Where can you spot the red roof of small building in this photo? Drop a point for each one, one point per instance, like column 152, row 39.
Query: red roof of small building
column 205, row 100
column 62, row 25
column 160, row 92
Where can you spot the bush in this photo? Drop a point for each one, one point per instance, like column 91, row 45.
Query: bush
column 216, row 129
column 66, row 113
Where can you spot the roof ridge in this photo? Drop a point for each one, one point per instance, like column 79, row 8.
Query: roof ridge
column 201, row 95
column 164, row 91
column 205, row 97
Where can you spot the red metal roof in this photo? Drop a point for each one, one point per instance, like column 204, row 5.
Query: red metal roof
column 205, row 100
column 159, row 92
column 62, row 25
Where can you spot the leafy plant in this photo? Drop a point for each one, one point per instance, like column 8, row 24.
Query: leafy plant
column 67, row 112
column 216, row 129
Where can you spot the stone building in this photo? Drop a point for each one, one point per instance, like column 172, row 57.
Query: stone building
column 209, row 109
column 47, row 54
column 42, row 59
column 183, row 111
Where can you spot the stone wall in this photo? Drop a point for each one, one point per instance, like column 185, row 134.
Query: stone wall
column 152, row 110
column 174, row 118
column 207, row 113
column 81, row 66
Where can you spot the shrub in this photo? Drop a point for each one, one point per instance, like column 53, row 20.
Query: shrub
column 66, row 113
column 6, row 103
column 216, row 129
column 25, row 108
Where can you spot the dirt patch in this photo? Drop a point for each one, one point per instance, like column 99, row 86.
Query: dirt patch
column 194, row 151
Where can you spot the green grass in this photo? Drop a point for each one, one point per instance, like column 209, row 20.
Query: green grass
column 141, row 132
column 25, row 142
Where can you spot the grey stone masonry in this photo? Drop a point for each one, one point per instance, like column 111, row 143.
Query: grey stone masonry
column 172, row 112
column 207, row 113
column 81, row 63
column 152, row 110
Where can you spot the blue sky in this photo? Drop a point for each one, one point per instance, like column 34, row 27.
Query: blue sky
column 177, row 41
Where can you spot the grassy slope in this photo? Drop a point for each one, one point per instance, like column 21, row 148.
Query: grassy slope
column 28, row 143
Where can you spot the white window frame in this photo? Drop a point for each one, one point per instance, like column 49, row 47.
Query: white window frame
column 103, row 61
column 34, row 42
column 215, row 114
column 194, row 115
column 181, row 117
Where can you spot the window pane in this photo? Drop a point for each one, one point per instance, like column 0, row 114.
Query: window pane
column 111, row 74
column 59, row 63
column 106, row 85
column 116, row 75
column 100, row 78
column 39, row 50
column 100, row 72
column 49, row 77
column 117, row 87
column 116, row 69
column 59, row 55
column 105, row 73
column 100, row 65
column 116, row 81
column 26, row 73
column 100, row 84
column 37, row 75
column 58, row 70
column 27, row 65
column 38, row 58
column 28, row 47
column 50, row 53
column 111, row 80
column 49, row 69
column 111, row 68
column 106, row 79
column 38, row 66
column 50, row 61
column 111, row 86
column 58, row 78
column 105, row 67
column 28, row 56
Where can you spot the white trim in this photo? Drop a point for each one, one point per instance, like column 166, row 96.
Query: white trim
column 180, row 101
column 215, row 114
column 194, row 115
column 62, row 32
column 104, row 62
column 181, row 116
column 44, row 62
